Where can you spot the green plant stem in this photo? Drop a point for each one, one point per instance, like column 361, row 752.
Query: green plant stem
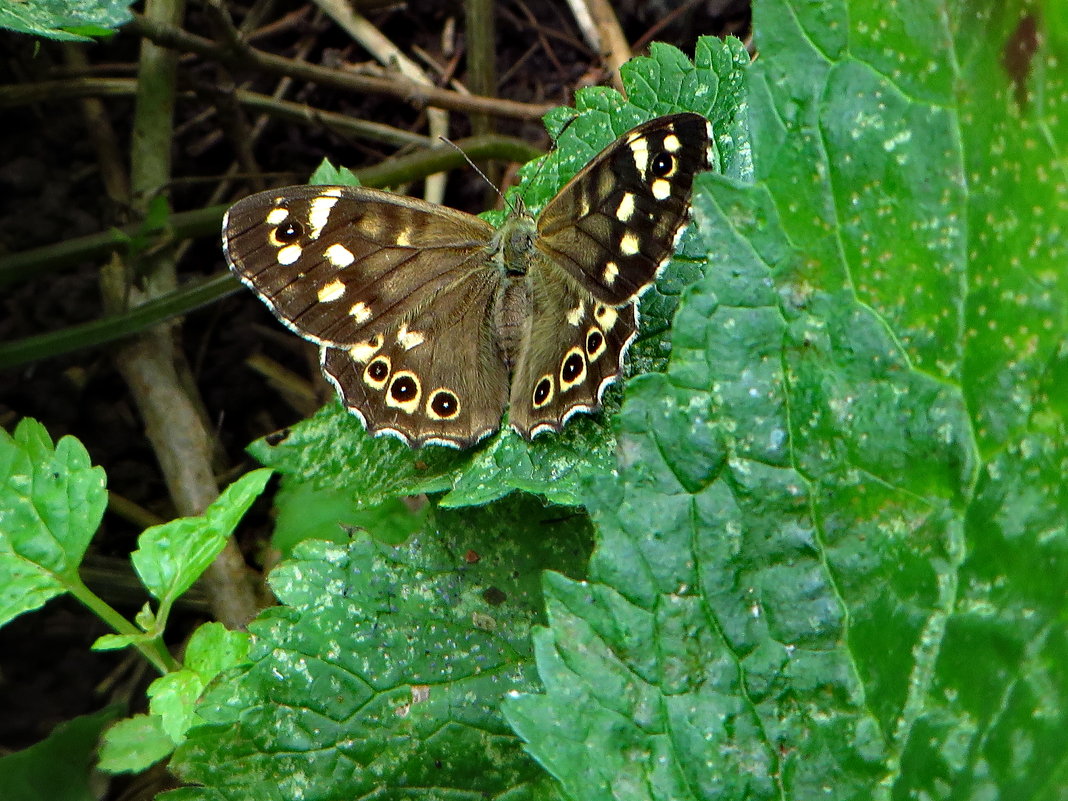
column 152, row 650
column 118, row 326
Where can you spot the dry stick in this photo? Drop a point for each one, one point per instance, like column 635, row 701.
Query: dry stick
column 102, row 135
column 601, row 28
column 418, row 96
column 178, row 434
column 391, row 56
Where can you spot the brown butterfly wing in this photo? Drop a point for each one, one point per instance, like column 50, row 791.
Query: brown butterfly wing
column 397, row 292
column 615, row 224
column 573, row 351
column 438, row 378
column 338, row 265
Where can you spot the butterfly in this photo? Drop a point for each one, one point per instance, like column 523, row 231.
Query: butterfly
column 432, row 322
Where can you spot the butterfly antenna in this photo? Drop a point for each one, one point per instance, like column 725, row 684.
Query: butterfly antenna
column 474, row 166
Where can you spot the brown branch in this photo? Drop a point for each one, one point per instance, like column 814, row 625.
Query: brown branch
column 409, row 91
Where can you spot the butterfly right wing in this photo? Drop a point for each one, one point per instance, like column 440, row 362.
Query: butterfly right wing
column 397, row 292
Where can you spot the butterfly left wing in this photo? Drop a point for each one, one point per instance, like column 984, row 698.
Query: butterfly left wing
column 398, row 294
column 438, row 379
column 339, row 264
column 616, row 223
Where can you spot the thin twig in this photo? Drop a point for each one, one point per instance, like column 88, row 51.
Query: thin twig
column 392, row 57
column 150, row 363
column 601, row 27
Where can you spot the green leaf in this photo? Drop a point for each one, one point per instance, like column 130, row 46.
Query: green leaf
column 74, row 20
column 332, row 451
column 58, row 767
column 173, row 698
column 171, row 556
column 384, row 666
column 326, row 174
column 308, row 512
column 134, row 744
column 832, row 562
column 51, row 503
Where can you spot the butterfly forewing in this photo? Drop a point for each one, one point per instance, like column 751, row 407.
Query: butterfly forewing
column 614, row 225
column 340, row 264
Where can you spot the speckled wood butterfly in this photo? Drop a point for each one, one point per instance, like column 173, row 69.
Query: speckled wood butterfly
column 431, row 322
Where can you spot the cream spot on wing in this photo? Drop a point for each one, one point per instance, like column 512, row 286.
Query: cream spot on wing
column 339, row 256
column 319, row 215
column 584, row 205
column 672, row 143
column 611, row 270
column 276, row 216
column 289, row 254
column 409, row 339
column 626, row 207
column 362, row 351
column 574, row 316
column 639, row 149
column 606, row 316
column 629, row 244
column 360, row 312
column 661, row 189
column 404, row 238
column 332, row 291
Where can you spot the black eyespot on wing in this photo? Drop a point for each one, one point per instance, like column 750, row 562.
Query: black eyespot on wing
column 572, row 369
column 543, row 392
column 662, row 165
column 403, row 389
column 594, row 342
column 444, row 404
column 378, row 370
column 289, row 231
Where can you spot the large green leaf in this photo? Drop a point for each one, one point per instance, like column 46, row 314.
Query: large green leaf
column 76, row 20
column 385, row 666
column 832, row 564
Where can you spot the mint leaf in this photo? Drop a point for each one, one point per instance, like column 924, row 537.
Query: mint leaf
column 134, row 744
column 51, row 503
column 831, row 563
column 385, row 665
column 171, row 556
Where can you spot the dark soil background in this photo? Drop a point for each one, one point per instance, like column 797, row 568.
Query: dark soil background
column 51, row 190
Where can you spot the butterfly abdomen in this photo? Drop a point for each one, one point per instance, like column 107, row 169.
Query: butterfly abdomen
column 511, row 313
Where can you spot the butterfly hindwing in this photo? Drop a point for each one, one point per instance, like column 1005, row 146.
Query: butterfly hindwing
column 615, row 224
column 574, row 350
column 437, row 378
